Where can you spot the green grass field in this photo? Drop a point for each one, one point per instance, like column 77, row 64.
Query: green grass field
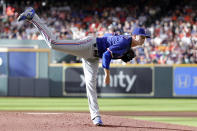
column 107, row 104
column 189, row 121
column 81, row 104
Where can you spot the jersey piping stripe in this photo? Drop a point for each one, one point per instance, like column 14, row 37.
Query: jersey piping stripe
column 53, row 42
column 67, row 43
column 51, row 39
column 110, row 52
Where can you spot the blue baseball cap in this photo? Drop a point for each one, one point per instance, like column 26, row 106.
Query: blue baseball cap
column 140, row 31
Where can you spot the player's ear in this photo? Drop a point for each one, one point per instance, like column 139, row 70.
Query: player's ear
column 134, row 36
column 134, row 42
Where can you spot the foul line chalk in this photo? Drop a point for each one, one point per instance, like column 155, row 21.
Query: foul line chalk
column 43, row 113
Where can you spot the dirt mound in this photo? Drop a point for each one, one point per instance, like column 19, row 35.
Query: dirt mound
column 50, row 121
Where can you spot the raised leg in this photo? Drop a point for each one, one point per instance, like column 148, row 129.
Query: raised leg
column 81, row 48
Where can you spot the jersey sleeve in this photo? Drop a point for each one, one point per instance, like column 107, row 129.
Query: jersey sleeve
column 106, row 59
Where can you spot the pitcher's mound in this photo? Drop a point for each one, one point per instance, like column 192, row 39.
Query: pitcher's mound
column 48, row 121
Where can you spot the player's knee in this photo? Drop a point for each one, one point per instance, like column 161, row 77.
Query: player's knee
column 52, row 46
column 91, row 80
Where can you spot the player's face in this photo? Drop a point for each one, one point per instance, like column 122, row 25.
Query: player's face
column 140, row 39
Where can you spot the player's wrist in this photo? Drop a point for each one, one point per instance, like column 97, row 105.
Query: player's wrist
column 107, row 71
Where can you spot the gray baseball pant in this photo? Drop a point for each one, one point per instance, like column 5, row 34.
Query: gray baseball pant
column 82, row 48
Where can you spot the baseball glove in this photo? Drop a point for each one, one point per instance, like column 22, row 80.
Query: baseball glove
column 128, row 56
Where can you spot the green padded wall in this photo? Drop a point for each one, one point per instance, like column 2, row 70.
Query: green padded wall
column 55, row 76
column 3, row 85
column 43, row 65
column 163, row 81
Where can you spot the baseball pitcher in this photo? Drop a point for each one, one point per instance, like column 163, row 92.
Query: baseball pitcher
column 90, row 49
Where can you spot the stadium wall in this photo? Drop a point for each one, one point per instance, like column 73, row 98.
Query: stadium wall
column 163, row 81
column 126, row 81
column 26, row 70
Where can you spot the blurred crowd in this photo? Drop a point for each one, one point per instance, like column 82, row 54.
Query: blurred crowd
column 171, row 24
